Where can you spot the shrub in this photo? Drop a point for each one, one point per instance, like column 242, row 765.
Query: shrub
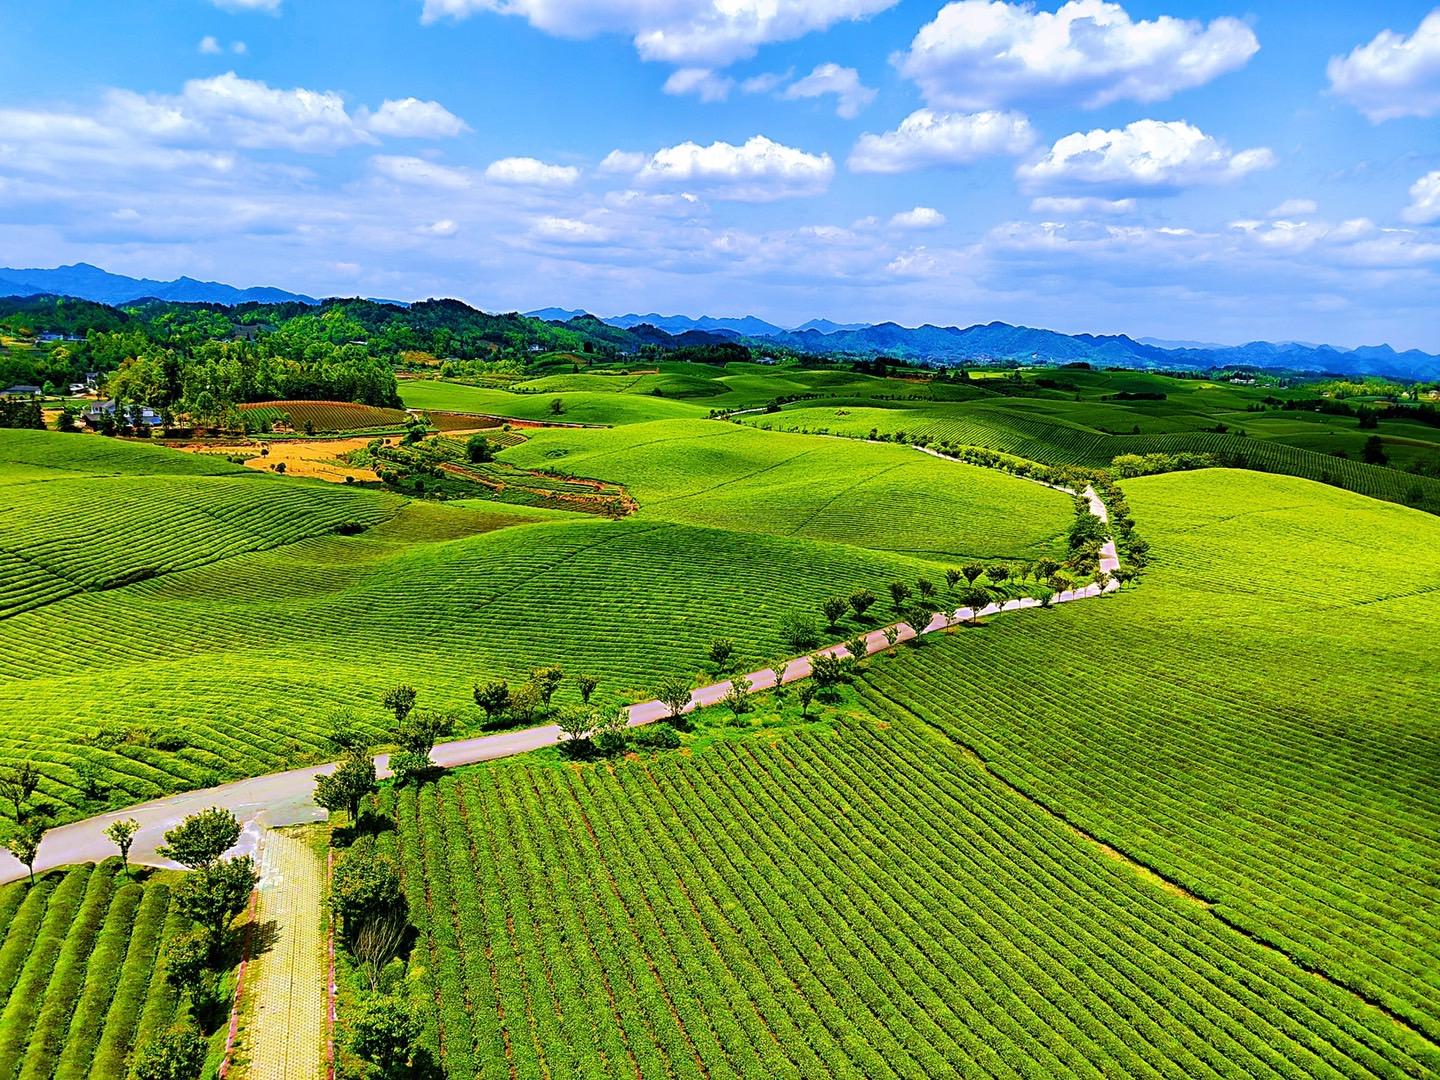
column 799, row 633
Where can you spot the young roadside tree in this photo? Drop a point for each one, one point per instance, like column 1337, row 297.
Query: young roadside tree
column 122, row 834
column 352, row 780
column 827, row 671
column 346, row 736
column 971, row 571
column 178, row 1054
column 1103, row 579
column 23, row 841
column 420, row 731
column 399, row 700
column 385, row 1032
column 721, row 650
column 952, row 578
column 547, row 680
column 612, row 733
column 777, row 671
column 1027, row 570
column 925, row 587
column 892, row 637
column 493, row 697
column 834, row 609
column 858, row 647
column 899, row 593
column 1044, row 568
column 410, row 769
column 201, row 839
column 805, row 693
column 798, row 633
column 919, row 616
column 586, row 685
column 674, row 694
column 577, row 723
column 524, row 704
column 976, row 599
column 737, row 699
column 17, row 784
column 213, row 895
column 861, row 601
column 1060, row 581
column 997, row 573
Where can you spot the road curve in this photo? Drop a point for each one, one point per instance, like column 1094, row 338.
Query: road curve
column 285, row 798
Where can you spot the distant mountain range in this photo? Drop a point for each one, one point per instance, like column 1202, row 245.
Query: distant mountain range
column 91, row 283
column 994, row 341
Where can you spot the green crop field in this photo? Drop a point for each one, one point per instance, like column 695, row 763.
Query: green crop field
column 1079, row 842
column 580, row 407
column 165, row 627
column 81, row 975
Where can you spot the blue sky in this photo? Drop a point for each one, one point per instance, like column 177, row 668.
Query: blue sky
column 1205, row 171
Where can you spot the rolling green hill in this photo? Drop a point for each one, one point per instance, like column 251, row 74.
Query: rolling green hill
column 172, row 630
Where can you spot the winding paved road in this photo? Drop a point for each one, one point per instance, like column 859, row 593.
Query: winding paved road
column 284, row 798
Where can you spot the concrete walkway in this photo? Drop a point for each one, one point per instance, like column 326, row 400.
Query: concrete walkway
column 282, row 1010
column 285, row 798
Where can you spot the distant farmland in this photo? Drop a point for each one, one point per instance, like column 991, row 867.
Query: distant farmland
column 324, row 416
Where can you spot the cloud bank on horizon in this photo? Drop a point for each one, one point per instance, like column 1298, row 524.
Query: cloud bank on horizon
column 1085, row 165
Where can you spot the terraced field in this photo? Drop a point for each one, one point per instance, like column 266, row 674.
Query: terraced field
column 863, row 902
column 581, row 407
column 209, row 661
column 81, row 979
column 1292, row 787
column 324, row 416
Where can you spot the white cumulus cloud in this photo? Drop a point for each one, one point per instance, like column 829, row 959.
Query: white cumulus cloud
column 418, row 171
column 1424, row 200
column 531, row 172
column 1079, row 206
column 922, row 217
column 760, row 170
column 928, row 138
column 692, row 33
column 1154, row 156
column 210, row 46
column 411, row 118
column 1293, row 208
column 702, row 82
column 977, row 54
column 1393, row 75
column 851, row 95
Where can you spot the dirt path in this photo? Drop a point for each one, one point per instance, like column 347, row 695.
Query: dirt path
column 285, row 798
column 282, row 1010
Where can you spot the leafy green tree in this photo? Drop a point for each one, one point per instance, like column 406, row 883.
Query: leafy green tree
column 557, row 407
column 737, row 698
column 478, row 450
column 187, row 959
column 892, row 636
column 577, row 723
column 366, row 884
column 201, row 839
column 400, row 700
column 919, row 616
column 858, row 647
column 799, row 633
column 997, row 573
column 524, row 703
column 721, row 652
column 17, row 784
column 586, row 685
column 1373, row 452
column 971, row 571
column 215, row 894
column 23, row 841
column 952, row 578
column 178, row 1054
column 861, row 601
column 976, row 599
column 834, row 608
column 674, row 694
column 408, row 767
column 1044, row 568
column 899, row 593
column 420, row 731
column 828, row 670
column 548, row 680
column 805, row 693
column 352, row 780
column 385, row 1032
column 493, row 697
column 122, row 834
column 612, row 734
column 925, row 587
